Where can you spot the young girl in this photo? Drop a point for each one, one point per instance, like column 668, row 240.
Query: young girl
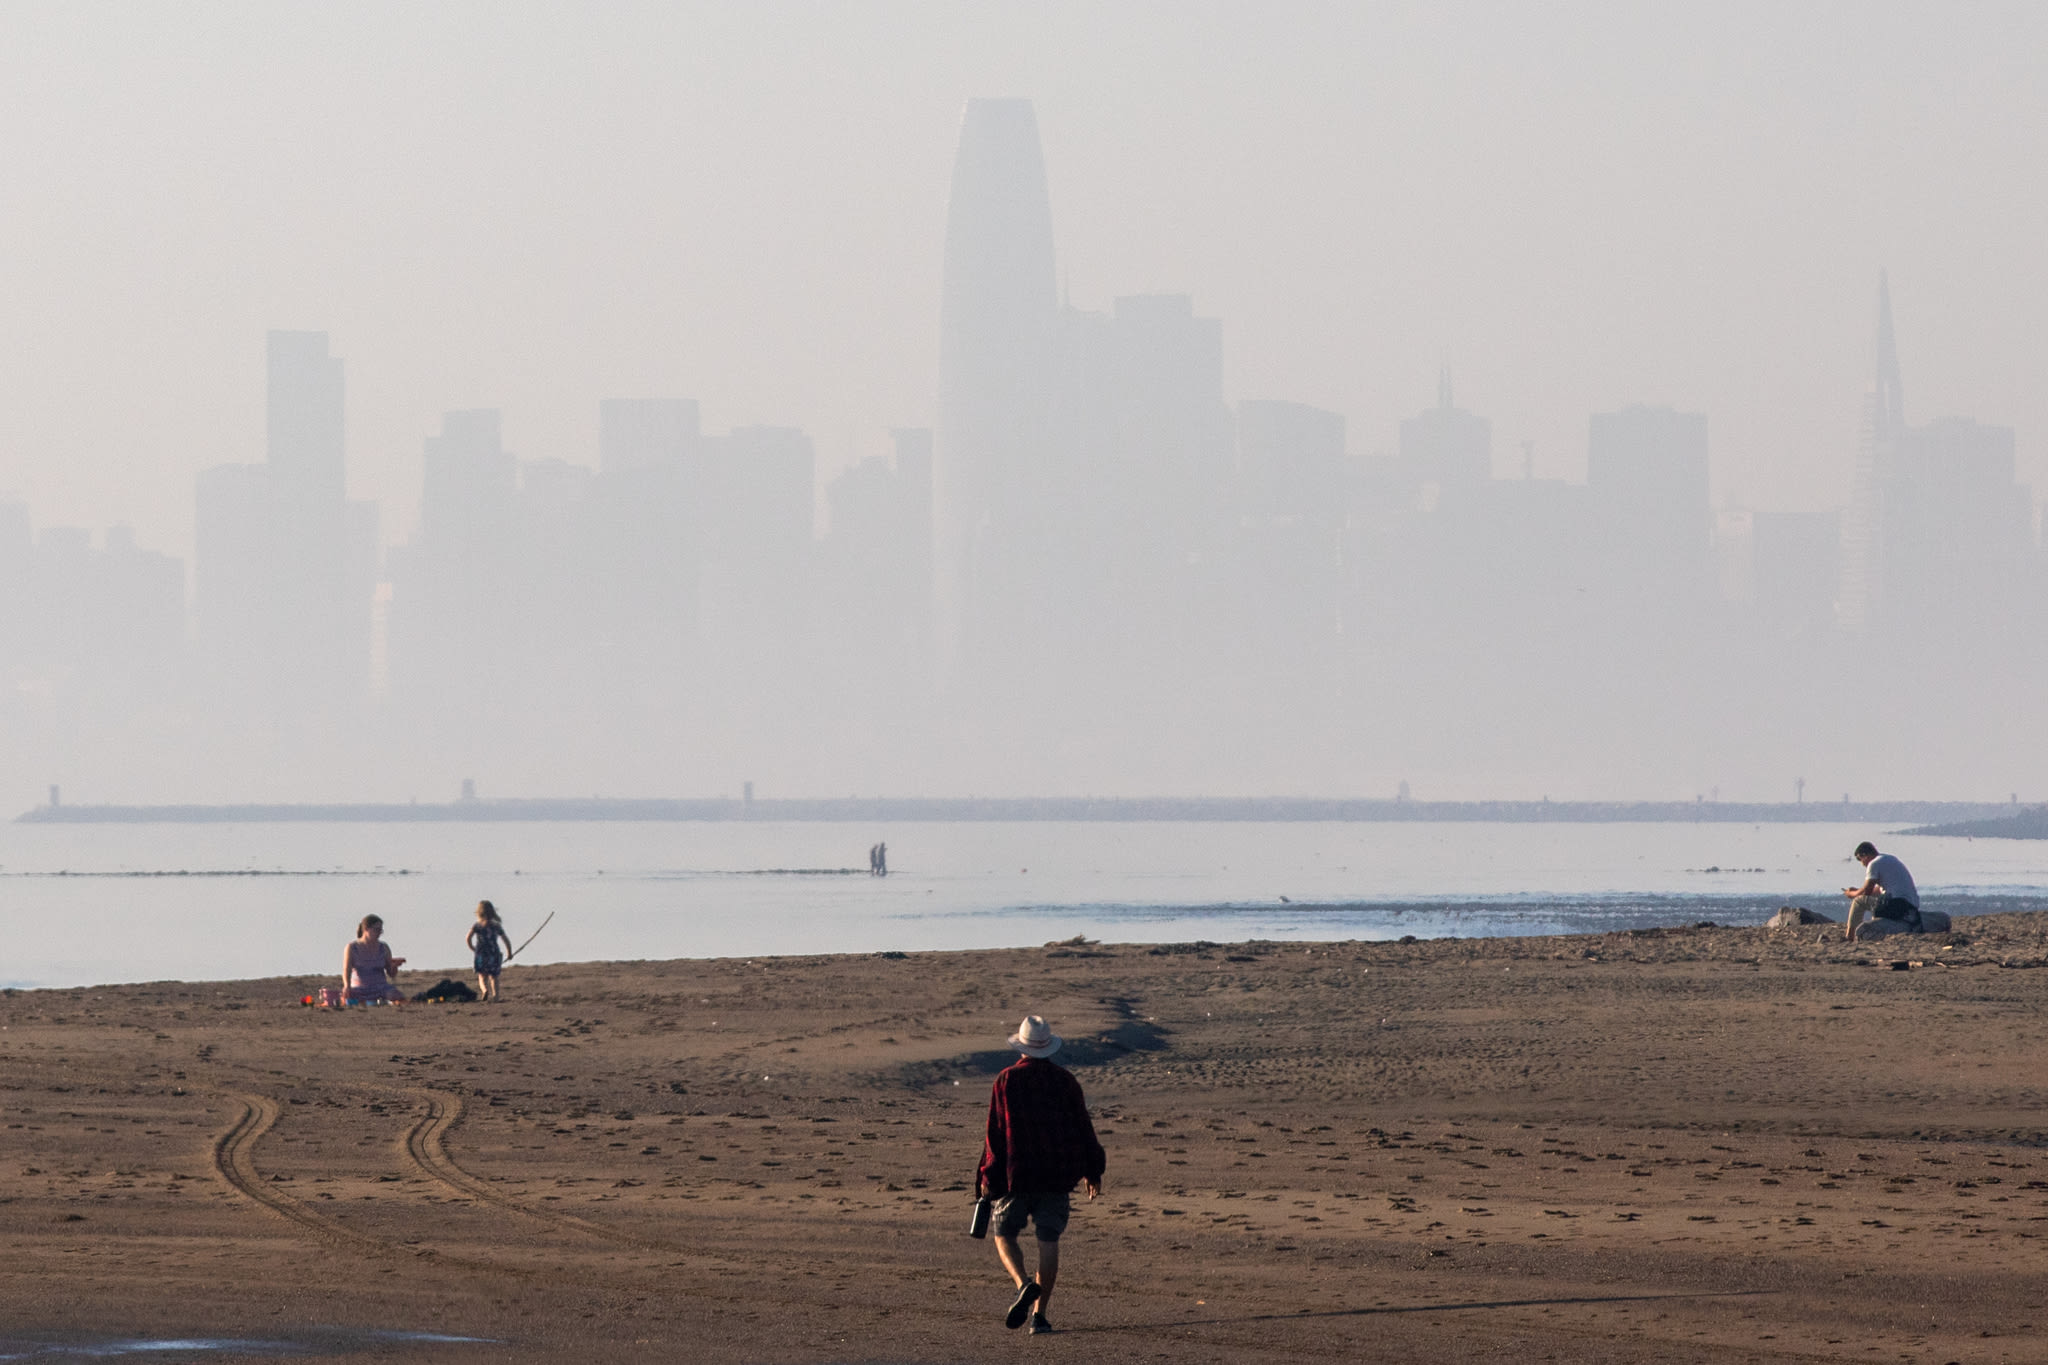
column 367, row 964
column 488, row 940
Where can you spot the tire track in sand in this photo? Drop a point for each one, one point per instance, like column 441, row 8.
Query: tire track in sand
column 234, row 1160
column 425, row 1149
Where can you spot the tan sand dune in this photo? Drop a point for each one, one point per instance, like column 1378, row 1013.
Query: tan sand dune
column 1711, row 1145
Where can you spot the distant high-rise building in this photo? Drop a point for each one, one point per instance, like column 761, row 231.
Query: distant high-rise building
column 16, row 541
column 913, row 448
column 645, row 433
column 1884, row 423
column 137, row 630
column 560, row 541
column 304, row 442
column 1447, row 446
column 645, row 512
column 284, row 572
column 61, row 596
column 1795, row 568
column 759, row 491
column 1646, row 472
column 996, row 319
column 1287, row 559
column 238, row 543
column 1290, row 460
column 469, row 481
column 325, row 616
column 82, row 622
column 876, row 559
column 1169, row 440
column 880, row 515
column 1954, row 523
column 755, row 586
column 454, row 586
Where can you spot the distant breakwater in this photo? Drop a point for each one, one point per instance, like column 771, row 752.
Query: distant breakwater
column 2028, row 823
column 941, row 809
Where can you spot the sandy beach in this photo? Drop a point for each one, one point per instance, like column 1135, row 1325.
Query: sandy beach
column 1687, row 1145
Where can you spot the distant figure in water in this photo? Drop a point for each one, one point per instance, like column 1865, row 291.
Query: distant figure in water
column 367, row 965
column 489, row 942
column 874, row 860
column 881, row 860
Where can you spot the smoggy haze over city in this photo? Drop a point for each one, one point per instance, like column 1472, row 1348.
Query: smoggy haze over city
column 1158, row 577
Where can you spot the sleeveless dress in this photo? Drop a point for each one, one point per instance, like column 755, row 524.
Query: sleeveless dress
column 369, row 973
column 490, row 950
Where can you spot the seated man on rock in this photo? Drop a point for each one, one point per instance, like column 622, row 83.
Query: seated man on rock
column 1887, row 902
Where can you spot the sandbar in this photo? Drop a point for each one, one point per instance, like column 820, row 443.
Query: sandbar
column 1696, row 1144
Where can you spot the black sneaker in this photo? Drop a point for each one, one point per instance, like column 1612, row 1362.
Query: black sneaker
column 1039, row 1326
column 1021, row 1309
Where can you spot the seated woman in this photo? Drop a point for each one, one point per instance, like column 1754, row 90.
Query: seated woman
column 367, row 965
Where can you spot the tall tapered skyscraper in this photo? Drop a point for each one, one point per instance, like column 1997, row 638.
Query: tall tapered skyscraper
column 996, row 325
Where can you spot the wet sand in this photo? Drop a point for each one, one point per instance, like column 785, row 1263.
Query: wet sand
column 1701, row 1145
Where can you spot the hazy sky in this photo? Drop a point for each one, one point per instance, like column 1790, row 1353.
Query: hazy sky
column 537, row 206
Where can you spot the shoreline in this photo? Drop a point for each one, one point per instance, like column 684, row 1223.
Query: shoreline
column 1674, row 915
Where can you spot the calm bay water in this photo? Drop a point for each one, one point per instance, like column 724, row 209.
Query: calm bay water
column 85, row 904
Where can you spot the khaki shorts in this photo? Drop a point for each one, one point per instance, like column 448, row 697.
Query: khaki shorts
column 1048, row 1212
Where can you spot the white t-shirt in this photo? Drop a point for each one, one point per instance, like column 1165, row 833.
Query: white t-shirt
column 1889, row 873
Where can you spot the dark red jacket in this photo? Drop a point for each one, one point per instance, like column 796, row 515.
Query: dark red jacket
column 1040, row 1140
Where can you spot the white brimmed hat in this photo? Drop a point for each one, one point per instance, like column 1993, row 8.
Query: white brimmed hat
column 1035, row 1038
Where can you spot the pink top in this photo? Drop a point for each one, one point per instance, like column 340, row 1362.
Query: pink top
column 369, row 965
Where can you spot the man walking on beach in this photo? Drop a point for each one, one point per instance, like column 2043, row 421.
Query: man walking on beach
column 1040, row 1144
column 1887, row 902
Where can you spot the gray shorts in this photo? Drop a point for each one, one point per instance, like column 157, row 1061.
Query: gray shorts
column 1049, row 1212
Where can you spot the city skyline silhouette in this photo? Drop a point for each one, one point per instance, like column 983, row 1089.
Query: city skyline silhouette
column 1101, row 553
